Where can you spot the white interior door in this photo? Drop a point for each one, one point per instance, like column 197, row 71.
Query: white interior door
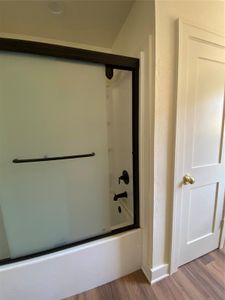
column 200, row 130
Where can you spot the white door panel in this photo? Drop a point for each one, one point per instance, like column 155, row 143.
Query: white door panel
column 202, row 78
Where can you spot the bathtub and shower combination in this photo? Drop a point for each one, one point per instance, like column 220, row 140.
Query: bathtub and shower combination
column 68, row 151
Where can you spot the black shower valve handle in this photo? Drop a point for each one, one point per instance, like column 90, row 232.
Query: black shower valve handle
column 124, row 177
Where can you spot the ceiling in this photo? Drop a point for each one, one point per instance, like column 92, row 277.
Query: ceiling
column 88, row 22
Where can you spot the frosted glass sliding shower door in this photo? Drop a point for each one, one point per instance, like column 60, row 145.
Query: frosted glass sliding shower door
column 52, row 107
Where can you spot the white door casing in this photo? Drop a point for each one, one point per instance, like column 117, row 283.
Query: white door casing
column 198, row 207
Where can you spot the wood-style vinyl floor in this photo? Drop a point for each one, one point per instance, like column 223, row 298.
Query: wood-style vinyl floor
column 203, row 278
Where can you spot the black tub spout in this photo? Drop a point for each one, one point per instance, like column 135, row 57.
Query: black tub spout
column 121, row 195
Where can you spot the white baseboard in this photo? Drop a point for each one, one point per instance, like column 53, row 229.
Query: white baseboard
column 156, row 274
column 159, row 273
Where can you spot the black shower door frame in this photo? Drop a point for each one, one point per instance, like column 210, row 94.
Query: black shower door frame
column 111, row 62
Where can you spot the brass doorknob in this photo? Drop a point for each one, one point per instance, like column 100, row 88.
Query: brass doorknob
column 188, row 179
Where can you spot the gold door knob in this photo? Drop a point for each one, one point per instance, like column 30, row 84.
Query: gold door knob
column 188, row 179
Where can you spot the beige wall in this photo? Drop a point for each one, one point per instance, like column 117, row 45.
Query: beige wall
column 209, row 14
column 135, row 31
column 86, row 22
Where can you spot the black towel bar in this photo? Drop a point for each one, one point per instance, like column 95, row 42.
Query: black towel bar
column 30, row 160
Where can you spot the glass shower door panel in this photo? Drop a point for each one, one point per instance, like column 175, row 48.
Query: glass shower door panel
column 52, row 107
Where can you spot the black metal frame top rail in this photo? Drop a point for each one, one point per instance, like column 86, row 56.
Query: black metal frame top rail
column 53, row 50
column 30, row 160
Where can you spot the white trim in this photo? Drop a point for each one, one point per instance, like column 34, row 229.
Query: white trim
column 199, row 26
column 185, row 31
column 159, row 272
column 146, row 138
column 156, row 274
column 222, row 237
column 175, row 238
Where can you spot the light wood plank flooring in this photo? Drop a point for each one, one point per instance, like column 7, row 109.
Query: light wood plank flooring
column 203, row 278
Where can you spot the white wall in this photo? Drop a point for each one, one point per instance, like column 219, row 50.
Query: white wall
column 119, row 104
column 206, row 14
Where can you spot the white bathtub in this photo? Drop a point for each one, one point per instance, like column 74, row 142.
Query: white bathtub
column 72, row 271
